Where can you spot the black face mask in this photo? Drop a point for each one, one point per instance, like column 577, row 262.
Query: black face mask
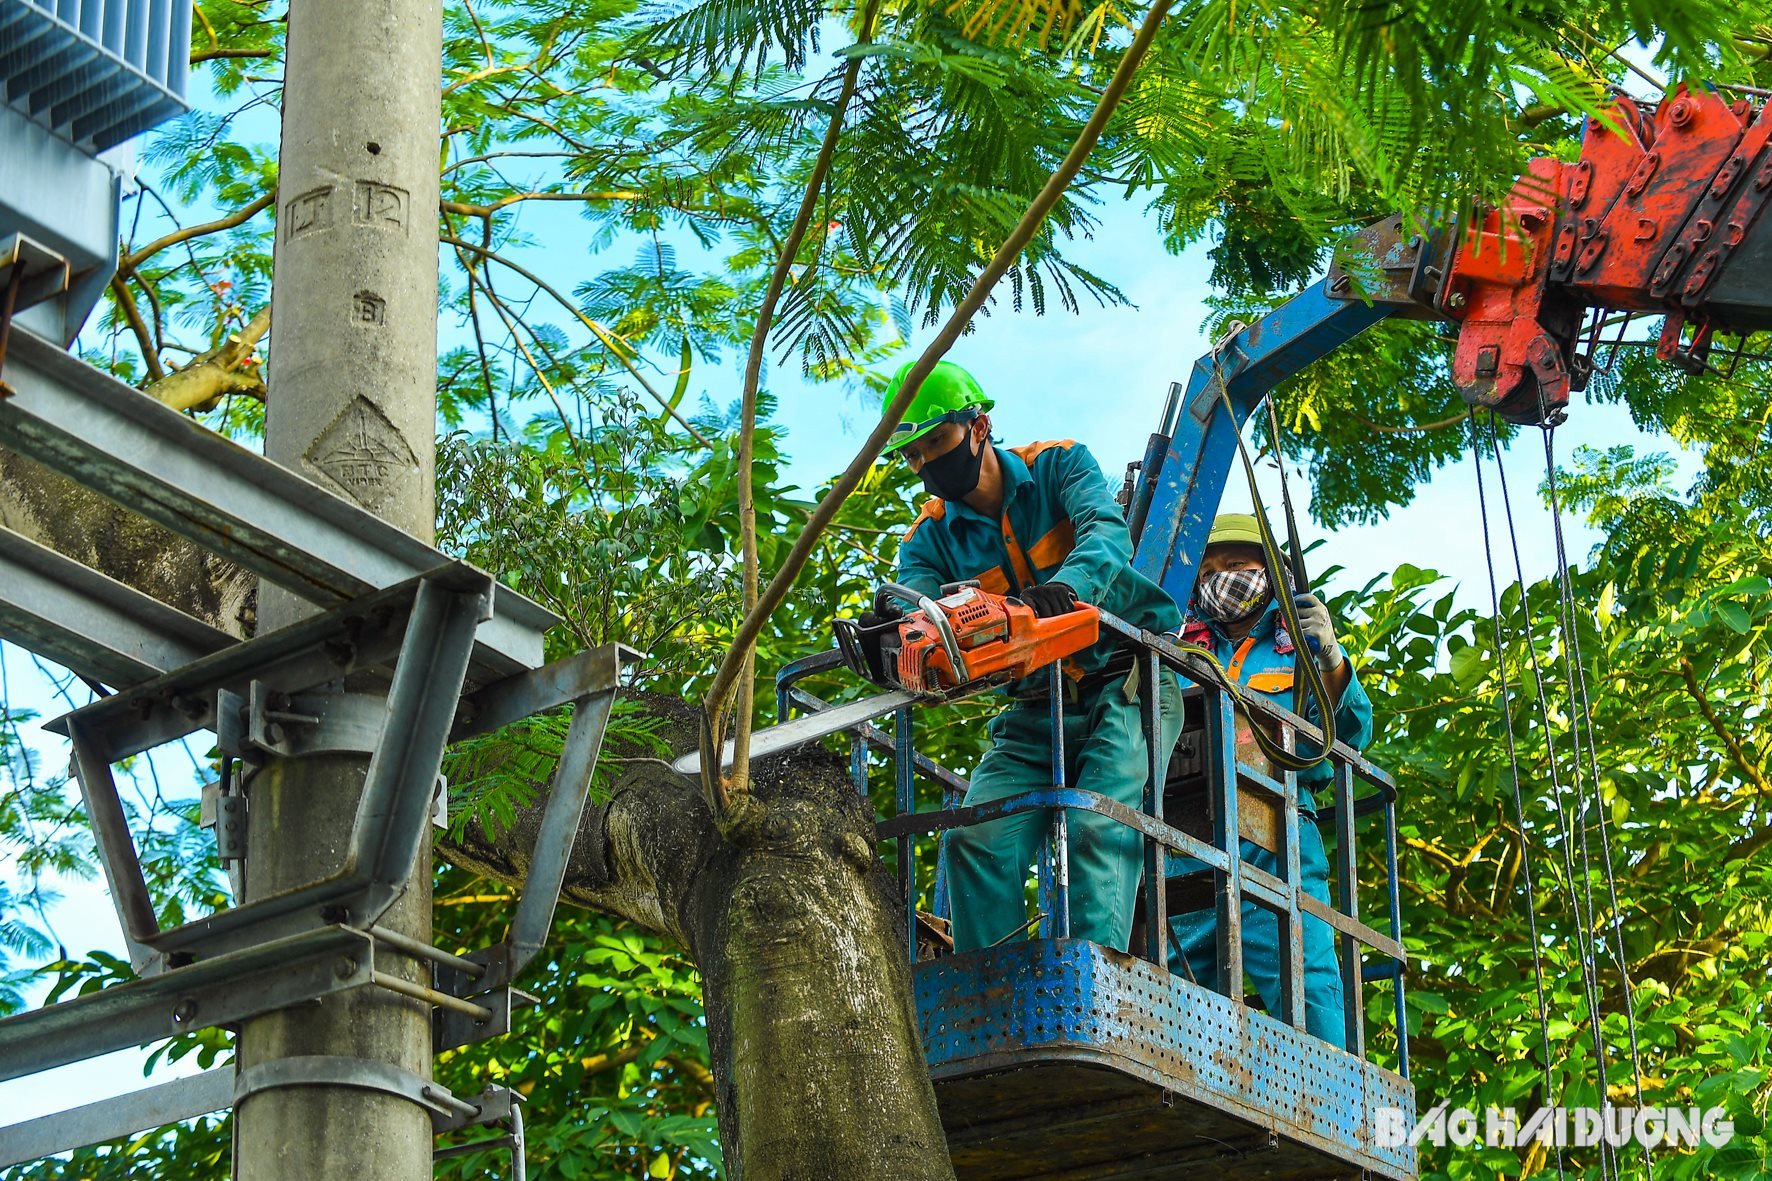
column 954, row 473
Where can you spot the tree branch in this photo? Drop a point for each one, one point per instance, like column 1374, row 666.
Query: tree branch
column 1422, row 429
column 214, row 374
column 597, row 330
column 240, row 216
column 491, row 71
column 505, row 318
column 1738, row 753
column 513, row 198
column 133, row 317
column 752, row 625
column 714, row 707
column 205, row 55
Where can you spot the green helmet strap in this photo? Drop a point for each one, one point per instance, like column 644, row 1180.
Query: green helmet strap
column 914, row 429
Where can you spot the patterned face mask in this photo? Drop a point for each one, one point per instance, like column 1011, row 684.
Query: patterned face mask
column 1228, row 595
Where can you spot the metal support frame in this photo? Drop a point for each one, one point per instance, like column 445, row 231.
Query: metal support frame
column 432, row 655
column 495, row 1105
column 150, row 459
column 218, row 991
column 15, row 279
column 29, row 274
column 567, row 794
column 246, row 966
column 432, row 619
column 111, row 1119
column 222, row 1088
column 100, row 628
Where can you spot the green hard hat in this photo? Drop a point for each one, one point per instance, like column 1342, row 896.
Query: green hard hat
column 948, row 394
column 1234, row 529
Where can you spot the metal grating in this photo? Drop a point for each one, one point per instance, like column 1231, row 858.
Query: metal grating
column 95, row 72
column 1042, row 1010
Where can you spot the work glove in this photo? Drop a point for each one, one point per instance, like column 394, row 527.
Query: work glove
column 887, row 609
column 1049, row 599
column 886, row 606
column 1319, row 631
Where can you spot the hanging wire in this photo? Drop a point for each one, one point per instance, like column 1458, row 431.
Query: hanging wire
column 1301, row 583
column 1583, row 719
column 1307, row 673
column 1579, row 778
column 1583, row 930
column 1513, row 761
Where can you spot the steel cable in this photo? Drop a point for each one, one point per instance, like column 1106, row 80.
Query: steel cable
column 1584, row 721
column 1579, row 781
column 1513, row 759
column 1583, row 931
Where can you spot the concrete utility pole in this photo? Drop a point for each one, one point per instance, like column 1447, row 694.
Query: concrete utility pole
column 353, row 407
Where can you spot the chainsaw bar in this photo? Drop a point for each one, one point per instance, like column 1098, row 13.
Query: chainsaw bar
column 805, row 728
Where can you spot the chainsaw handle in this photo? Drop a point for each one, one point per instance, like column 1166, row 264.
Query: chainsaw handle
column 896, row 590
column 950, row 643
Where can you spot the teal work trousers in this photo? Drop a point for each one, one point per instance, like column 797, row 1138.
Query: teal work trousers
column 1105, row 751
column 1195, row 938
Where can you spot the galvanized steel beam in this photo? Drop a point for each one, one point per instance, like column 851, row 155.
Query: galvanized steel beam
column 213, row 992
column 150, row 459
column 94, row 625
column 112, row 1119
column 433, row 620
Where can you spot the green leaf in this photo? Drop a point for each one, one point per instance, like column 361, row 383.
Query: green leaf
column 1468, row 667
column 1735, row 616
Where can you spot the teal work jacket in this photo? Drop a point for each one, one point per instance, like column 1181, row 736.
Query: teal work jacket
column 1262, row 662
column 1060, row 524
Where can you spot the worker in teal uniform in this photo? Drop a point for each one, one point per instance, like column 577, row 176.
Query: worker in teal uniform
column 1235, row 613
column 1037, row 522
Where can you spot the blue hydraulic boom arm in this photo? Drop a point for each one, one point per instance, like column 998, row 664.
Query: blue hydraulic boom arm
column 1182, row 476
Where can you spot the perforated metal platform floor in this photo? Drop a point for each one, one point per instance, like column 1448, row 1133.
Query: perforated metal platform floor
column 1061, row 1060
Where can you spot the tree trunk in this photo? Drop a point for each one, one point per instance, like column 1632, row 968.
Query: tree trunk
column 799, row 934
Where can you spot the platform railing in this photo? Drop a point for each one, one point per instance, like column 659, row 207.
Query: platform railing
column 1235, row 880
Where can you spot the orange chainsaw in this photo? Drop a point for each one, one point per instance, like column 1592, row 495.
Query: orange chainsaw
column 965, row 642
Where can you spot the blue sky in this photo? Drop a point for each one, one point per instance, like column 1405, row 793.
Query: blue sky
column 1098, row 377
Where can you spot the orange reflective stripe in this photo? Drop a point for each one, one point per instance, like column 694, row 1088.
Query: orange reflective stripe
column 1032, row 451
column 993, row 581
column 1056, row 546
column 1235, row 668
column 1023, row 572
column 934, row 509
column 1270, row 682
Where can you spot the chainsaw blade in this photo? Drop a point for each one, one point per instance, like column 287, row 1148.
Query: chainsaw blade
column 805, row 728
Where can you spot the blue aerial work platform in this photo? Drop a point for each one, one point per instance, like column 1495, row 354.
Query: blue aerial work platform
column 1054, row 1057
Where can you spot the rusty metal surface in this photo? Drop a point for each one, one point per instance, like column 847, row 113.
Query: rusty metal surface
column 1058, row 1059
